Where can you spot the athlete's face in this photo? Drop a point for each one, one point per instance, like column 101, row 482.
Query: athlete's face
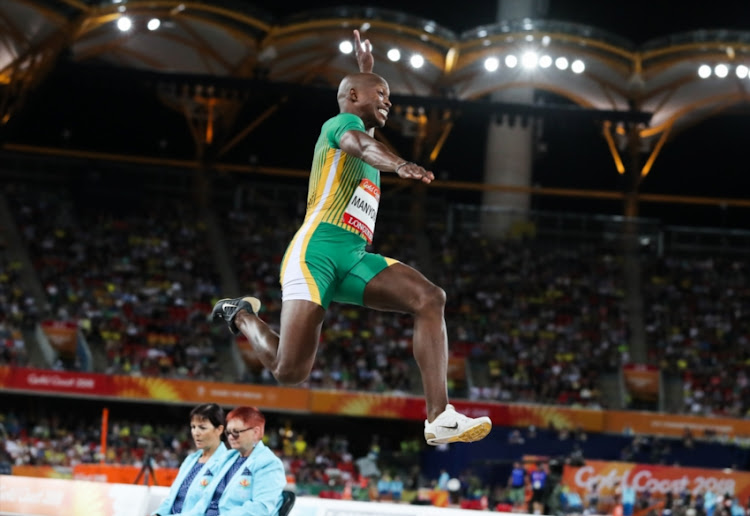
column 375, row 103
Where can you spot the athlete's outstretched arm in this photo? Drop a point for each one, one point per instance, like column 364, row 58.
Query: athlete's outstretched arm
column 368, row 149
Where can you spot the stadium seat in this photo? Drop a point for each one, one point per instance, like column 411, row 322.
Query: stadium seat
column 288, row 498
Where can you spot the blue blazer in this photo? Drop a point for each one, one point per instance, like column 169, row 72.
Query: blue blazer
column 254, row 489
column 201, row 481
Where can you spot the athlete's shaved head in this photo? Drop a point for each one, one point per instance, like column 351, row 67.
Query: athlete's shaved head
column 356, row 81
column 367, row 96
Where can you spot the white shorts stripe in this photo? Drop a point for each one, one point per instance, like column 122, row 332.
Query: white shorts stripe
column 294, row 284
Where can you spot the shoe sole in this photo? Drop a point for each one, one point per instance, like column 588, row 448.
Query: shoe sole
column 254, row 303
column 470, row 435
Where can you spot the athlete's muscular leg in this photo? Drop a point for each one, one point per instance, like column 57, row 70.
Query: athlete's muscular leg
column 290, row 355
column 400, row 288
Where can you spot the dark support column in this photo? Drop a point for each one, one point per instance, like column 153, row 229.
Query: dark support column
column 631, row 250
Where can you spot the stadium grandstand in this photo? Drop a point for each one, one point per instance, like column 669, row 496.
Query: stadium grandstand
column 588, row 224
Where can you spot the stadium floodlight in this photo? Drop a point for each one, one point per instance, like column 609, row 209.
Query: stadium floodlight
column 153, row 24
column 394, row 54
column 346, row 47
column 529, row 60
column 721, row 70
column 124, row 23
column 561, row 63
column 491, row 64
column 545, row 61
column 741, row 71
column 416, row 60
column 704, row 71
column 578, row 66
column 511, row 61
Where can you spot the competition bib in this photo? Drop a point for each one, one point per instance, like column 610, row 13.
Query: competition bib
column 363, row 209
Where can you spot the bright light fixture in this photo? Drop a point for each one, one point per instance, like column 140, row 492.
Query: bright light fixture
column 741, row 71
column 491, row 64
column 529, row 60
column 153, row 24
column 394, row 54
column 346, row 47
column 721, row 70
column 416, row 60
column 124, row 23
column 545, row 61
column 511, row 61
column 704, row 71
column 577, row 66
column 561, row 63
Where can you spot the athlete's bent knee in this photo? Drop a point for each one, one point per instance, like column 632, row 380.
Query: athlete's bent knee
column 431, row 297
column 290, row 375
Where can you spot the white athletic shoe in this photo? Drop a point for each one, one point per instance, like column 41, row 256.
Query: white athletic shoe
column 453, row 427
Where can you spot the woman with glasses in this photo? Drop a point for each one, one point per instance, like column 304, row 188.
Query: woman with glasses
column 251, row 478
column 198, row 469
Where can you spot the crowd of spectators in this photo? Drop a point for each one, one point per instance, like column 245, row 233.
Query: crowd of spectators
column 138, row 282
column 698, row 327
column 17, row 311
column 532, row 320
column 539, row 323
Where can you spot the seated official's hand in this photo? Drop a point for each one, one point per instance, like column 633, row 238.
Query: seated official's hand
column 416, row 172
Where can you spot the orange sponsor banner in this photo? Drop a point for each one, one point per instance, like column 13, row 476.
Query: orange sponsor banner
column 155, row 389
column 642, row 381
column 192, row 391
column 655, row 423
column 62, row 335
column 659, row 480
column 45, row 380
column 357, row 403
column 58, row 497
column 117, row 474
column 42, row 471
column 406, row 407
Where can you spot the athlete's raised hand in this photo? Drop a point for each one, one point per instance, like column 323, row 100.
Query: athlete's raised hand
column 363, row 51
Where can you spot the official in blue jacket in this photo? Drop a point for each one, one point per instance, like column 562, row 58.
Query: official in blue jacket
column 252, row 477
column 198, row 469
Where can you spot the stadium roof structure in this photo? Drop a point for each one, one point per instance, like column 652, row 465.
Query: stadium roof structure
column 199, row 53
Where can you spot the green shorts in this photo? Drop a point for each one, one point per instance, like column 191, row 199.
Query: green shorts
column 327, row 263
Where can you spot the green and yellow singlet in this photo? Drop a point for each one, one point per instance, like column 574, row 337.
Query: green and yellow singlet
column 343, row 190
